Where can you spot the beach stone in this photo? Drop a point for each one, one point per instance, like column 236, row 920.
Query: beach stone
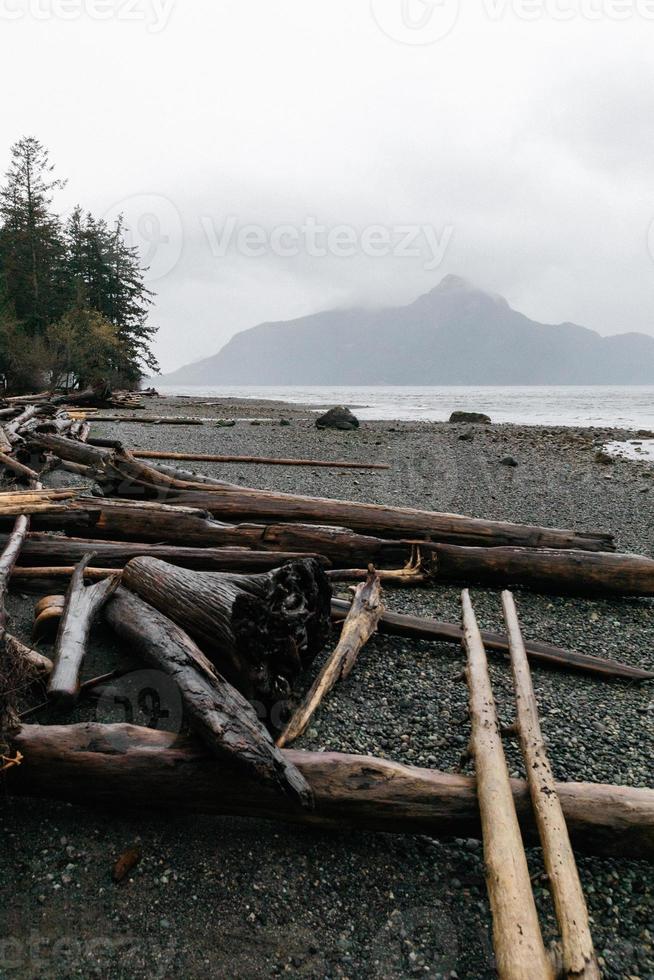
column 604, row 458
column 339, row 417
column 470, row 417
column 467, row 436
column 508, row 461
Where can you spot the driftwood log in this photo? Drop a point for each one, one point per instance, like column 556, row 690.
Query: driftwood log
column 133, row 478
column 337, row 464
column 260, row 631
column 56, row 549
column 118, row 766
column 517, row 939
column 224, row 720
column 418, row 628
column 547, row 570
column 80, row 608
column 358, row 627
column 579, row 958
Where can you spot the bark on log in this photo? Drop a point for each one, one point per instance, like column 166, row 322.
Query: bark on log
column 548, row 570
column 118, row 766
column 224, row 720
column 360, row 624
column 81, row 606
column 519, row 949
column 579, row 958
column 417, row 628
column 260, row 631
column 264, row 460
column 55, row 549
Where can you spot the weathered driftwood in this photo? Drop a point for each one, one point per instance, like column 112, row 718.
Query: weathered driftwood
column 360, row 624
column 118, row 766
column 243, row 503
column 416, row 571
column 519, row 949
column 37, row 661
column 15, row 503
column 342, row 464
column 80, row 608
column 260, row 631
column 55, row 549
column 8, row 558
column 24, row 472
column 418, row 628
column 579, row 958
column 549, row 570
column 224, row 720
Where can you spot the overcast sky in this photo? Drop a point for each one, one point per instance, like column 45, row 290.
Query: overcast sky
column 277, row 157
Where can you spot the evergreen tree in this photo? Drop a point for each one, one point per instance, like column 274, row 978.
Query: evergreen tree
column 32, row 256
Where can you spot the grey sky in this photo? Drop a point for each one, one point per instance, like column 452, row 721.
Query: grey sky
column 516, row 150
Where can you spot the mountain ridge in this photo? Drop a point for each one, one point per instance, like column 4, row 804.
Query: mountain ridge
column 453, row 334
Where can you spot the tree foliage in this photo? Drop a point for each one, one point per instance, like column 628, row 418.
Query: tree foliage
column 73, row 303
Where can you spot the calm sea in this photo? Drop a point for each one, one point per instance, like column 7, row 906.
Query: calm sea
column 617, row 406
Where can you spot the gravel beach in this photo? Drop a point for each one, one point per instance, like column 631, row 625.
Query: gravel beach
column 221, row 897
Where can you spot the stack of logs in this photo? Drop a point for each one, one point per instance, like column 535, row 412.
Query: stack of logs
column 227, row 590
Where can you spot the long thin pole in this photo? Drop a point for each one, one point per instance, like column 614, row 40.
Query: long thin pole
column 579, row 958
column 517, row 939
column 340, row 464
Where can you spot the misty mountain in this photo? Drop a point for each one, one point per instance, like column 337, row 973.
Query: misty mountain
column 455, row 334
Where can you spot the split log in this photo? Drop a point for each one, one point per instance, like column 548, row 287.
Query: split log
column 225, row 721
column 15, row 503
column 5, row 445
column 119, row 766
column 548, row 570
column 519, row 949
column 81, row 606
column 55, row 549
column 418, row 628
column 264, row 460
column 260, row 631
column 360, row 624
column 579, row 958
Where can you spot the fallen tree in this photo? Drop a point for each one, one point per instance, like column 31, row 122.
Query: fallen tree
column 118, row 766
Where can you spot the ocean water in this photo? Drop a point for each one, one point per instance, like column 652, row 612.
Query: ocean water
column 614, row 406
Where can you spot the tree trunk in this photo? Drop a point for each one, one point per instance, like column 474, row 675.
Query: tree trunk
column 224, row 720
column 417, row 628
column 260, row 631
column 122, row 766
column 343, row 464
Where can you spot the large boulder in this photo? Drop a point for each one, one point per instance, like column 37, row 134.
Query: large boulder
column 470, row 417
column 339, row 417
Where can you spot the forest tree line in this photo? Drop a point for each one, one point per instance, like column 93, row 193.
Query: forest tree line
column 73, row 303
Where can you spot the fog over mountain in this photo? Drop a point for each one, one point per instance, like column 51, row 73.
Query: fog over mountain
column 454, row 334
